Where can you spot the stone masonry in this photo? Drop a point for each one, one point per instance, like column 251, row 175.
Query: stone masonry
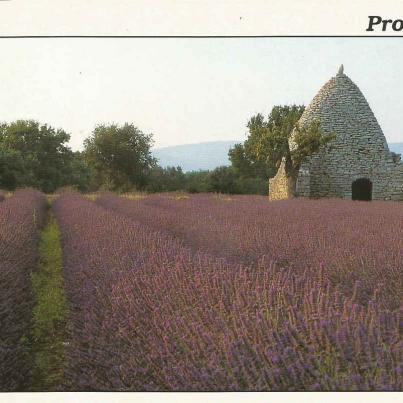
column 359, row 150
column 281, row 186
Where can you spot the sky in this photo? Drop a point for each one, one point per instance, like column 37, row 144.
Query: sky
column 189, row 90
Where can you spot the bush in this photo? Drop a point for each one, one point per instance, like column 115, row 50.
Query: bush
column 168, row 179
column 197, row 181
column 226, row 180
column 257, row 186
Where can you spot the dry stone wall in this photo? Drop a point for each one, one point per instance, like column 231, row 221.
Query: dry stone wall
column 281, row 186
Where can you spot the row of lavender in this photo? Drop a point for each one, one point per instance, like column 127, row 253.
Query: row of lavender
column 353, row 241
column 21, row 217
column 147, row 313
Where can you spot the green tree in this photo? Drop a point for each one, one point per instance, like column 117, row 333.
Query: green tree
column 119, row 156
column 268, row 143
column 226, row 180
column 80, row 173
column 44, row 153
column 197, row 181
column 12, row 168
column 308, row 140
column 257, row 185
column 245, row 164
column 223, row 180
column 166, row 179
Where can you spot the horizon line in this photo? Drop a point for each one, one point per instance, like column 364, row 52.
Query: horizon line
column 227, row 141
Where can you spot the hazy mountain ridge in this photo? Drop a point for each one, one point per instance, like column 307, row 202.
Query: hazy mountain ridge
column 209, row 155
column 194, row 157
column 396, row 148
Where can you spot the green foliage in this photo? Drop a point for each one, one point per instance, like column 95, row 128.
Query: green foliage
column 220, row 180
column 197, row 181
column 223, row 180
column 396, row 157
column 12, row 168
column 119, row 157
column 80, row 173
column 267, row 142
column 166, row 179
column 308, row 140
column 258, row 158
column 245, row 185
column 245, row 164
column 35, row 155
column 226, row 180
column 173, row 179
column 50, row 312
column 43, row 150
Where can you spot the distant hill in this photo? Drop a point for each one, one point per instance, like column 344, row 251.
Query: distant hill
column 192, row 157
column 209, row 155
column 396, row 148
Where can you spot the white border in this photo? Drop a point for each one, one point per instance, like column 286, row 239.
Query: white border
column 194, row 17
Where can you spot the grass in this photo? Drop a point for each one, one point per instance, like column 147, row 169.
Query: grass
column 181, row 197
column 134, row 196
column 51, row 197
column 50, row 312
column 91, row 196
column 223, row 197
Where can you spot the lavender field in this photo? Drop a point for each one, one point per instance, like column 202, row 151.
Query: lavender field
column 178, row 292
column 21, row 218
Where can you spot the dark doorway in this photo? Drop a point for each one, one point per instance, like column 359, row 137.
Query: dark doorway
column 362, row 189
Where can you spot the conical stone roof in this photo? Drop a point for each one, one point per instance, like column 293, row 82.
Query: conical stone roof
column 341, row 107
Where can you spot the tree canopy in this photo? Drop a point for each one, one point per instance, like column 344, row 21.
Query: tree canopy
column 12, row 168
column 268, row 143
column 119, row 156
column 34, row 154
column 166, row 179
column 308, row 140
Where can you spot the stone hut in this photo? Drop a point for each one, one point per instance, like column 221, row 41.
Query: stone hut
column 357, row 164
